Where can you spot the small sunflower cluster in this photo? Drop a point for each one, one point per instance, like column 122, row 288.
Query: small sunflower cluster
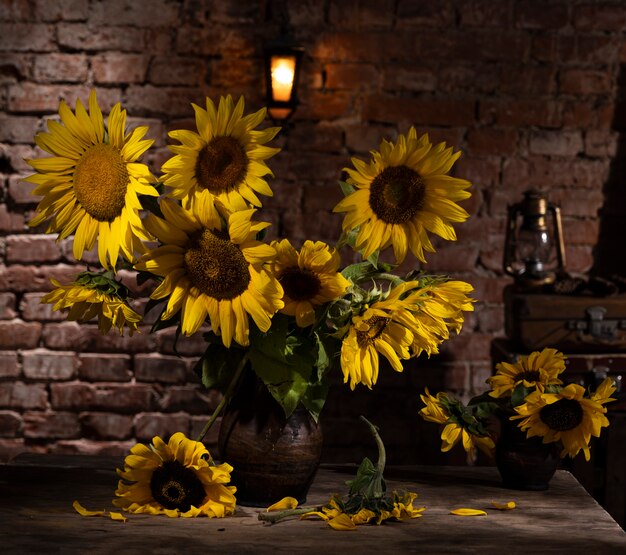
column 531, row 394
column 291, row 314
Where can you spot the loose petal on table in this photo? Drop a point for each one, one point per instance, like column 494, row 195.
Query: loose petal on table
column 467, row 512
column 503, row 506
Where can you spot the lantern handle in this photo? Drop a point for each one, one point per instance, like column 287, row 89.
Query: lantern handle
column 509, row 241
column 558, row 234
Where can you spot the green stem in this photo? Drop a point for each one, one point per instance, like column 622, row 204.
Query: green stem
column 382, row 457
column 274, row 516
column 389, row 277
column 225, row 398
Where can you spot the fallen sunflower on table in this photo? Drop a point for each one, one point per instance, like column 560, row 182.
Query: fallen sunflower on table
column 366, row 502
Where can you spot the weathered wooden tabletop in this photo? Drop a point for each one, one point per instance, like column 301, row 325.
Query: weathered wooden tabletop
column 36, row 516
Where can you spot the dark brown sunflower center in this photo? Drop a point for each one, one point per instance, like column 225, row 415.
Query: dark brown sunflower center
column 216, row 266
column 563, row 415
column 221, row 165
column 100, row 182
column 299, row 284
column 376, row 325
column 529, row 375
column 397, row 194
column 176, row 487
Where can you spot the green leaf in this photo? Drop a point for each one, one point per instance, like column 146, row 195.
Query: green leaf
column 519, row 395
column 314, row 398
column 346, row 188
column 217, row 365
column 364, row 475
column 151, row 204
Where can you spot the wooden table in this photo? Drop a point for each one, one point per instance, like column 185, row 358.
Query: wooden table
column 36, row 516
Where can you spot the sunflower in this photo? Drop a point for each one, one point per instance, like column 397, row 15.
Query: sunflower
column 85, row 300
column 213, row 271
column 566, row 416
column 403, row 193
column 437, row 308
column 458, row 425
column 177, row 479
column 223, row 161
column 538, row 369
column 383, row 328
column 90, row 186
column 309, row 278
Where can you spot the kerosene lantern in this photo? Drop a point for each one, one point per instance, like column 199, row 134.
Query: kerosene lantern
column 283, row 58
column 534, row 253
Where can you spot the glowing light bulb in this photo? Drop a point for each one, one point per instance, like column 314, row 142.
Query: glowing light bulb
column 283, row 73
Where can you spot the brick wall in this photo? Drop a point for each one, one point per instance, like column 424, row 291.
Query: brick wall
column 527, row 89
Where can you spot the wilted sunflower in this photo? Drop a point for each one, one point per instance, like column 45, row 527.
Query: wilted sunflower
column 437, row 308
column 309, row 278
column 86, row 299
column 90, row 185
column 224, row 160
column 441, row 409
column 213, row 271
column 386, row 328
column 403, row 193
column 566, row 416
column 177, row 479
column 538, row 369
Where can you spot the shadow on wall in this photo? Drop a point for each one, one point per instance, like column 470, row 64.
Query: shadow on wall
column 610, row 251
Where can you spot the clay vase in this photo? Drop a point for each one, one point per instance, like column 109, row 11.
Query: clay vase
column 525, row 463
column 272, row 456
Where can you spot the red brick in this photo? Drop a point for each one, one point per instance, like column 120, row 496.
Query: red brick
column 490, row 141
column 66, row 336
column 240, row 75
column 537, row 14
column 115, row 67
column 18, row 395
column 97, row 367
column 177, row 71
column 527, row 80
column 580, row 232
column 352, row 14
column 7, row 306
column 481, row 172
column 601, row 143
column 15, row 10
column 323, row 105
column 479, row 374
column 426, row 111
column 405, row 77
column 48, row 365
column 60, row 68
column 18, row 129
column 322, row 197
column 81, row 37
column 578, row 114
column 490, row 318
column 437, row 13
column 159, row 368
column 26, row 37
column 479, row 77
column 190, row 399
column 578, row 202
column 520, row 113
column 34, row 97
column 452, row 258
column 485, row 13
column 585, row 82
column 16, row 334
column 10, row 448
column 89, row 447
column 10, row 424
column 196, row 425
column 150, row 101
column 21, row 191
column 106, row 425
column 318, row 137
column 162, row 13
column 579, row 258
column 457, row 376
column 468, row 346
column 32, row 248
column 556, row 143
column 365, row 46
column 10, row 222
column 72, row 396
column 211, row 41
column 149, row 425
column 17, row 155
column 21, row 278
column 31, row 308
column 9, row 366
column 489, row 289
column 239, row 12
column 599, row 50
column 120, row 398
column 323, row 226
column 599, row 17
column 48, row 425
column 61, row 10
column 351, row 76
column 361, row 137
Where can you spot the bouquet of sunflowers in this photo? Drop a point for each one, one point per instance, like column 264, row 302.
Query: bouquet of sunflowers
column 530, row 394
column 292, row 315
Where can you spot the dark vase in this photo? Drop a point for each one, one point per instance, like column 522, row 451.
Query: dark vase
column 272, row 456
column 525, row 463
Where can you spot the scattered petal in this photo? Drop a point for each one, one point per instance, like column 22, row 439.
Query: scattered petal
column 86, row 512
column 503, row 506
column 118, row 516
column 285, row 503
column 342, row 522
column 467, row 512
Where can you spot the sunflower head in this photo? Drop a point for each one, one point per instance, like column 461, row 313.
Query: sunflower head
column 309, row 277
column 90, row 185
column 177, row 479
column 223, row 161
column 539, row 369
column 403, row 193
column 95, row 295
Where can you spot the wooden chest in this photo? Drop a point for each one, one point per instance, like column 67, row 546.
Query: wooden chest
column 573, row 324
